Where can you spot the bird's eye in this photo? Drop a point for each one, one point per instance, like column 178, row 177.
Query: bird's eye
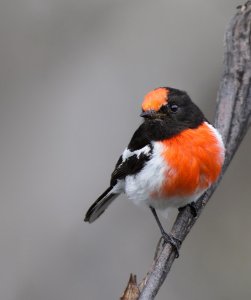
column 174, row 108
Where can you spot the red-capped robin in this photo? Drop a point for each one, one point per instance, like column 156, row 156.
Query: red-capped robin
column 172, row 159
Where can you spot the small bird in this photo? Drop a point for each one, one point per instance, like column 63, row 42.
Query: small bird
column 172, row 159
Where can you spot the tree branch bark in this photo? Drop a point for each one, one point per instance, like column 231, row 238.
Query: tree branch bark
column 233, row 117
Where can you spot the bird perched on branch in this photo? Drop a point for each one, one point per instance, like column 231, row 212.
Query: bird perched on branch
column 172, row 159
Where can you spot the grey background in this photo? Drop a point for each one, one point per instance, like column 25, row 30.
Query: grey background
column 72, row 78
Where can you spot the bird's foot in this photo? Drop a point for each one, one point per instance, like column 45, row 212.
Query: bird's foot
column 168, row 238
column 193, row 208
column 175, row 243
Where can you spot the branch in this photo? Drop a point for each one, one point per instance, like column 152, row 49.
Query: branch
column 132, row 291
column 233, row 117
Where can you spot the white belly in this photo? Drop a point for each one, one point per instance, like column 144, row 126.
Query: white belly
column 140, row 187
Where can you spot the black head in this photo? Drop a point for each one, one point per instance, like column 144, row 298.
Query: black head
column 172, row 108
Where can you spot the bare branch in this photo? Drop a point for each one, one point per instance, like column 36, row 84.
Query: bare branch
column 233, row 117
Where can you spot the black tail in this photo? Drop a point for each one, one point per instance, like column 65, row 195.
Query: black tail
column 100, row 205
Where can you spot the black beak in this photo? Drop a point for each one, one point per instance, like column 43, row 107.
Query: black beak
column 149, row 114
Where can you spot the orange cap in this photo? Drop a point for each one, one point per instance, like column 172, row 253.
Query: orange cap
column 155, row 99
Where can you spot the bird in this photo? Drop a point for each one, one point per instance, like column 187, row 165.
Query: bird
column 173, row 157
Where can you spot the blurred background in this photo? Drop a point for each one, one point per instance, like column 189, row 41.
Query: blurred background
column 72, row 78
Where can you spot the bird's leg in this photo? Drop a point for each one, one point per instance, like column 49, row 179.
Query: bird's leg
column 193, row 208
column 168, row 238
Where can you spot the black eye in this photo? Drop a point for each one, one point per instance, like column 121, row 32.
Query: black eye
column 174, row 108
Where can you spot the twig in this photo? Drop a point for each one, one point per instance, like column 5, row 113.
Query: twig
column 132, row 291
column 233, row 117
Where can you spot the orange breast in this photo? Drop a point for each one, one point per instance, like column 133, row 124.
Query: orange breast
column 195, row 157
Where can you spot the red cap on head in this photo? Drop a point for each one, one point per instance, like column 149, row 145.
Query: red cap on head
column 155, row 99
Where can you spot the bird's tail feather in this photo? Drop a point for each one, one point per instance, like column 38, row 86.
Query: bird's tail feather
column 100, row 205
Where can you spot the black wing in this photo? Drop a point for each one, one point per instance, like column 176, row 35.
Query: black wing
column 137, row 160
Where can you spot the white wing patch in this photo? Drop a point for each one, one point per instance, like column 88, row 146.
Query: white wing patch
column 127, row 153
column 120, row 186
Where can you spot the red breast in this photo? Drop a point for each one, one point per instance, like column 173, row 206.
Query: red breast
column 195, row 158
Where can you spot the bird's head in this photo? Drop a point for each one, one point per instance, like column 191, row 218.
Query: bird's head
column 172, row 106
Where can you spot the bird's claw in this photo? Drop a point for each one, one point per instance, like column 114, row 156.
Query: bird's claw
column 175, row 243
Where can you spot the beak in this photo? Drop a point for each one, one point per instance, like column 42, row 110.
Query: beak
column 149, row 114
